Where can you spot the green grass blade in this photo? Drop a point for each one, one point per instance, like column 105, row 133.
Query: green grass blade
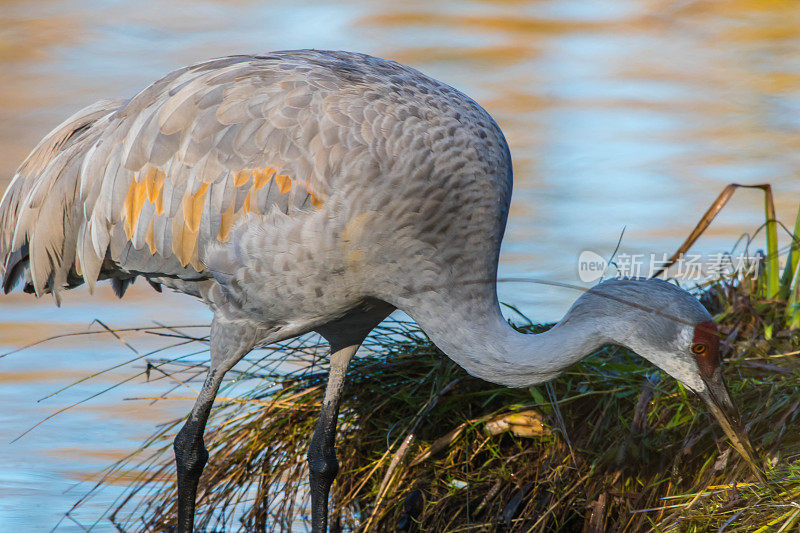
column 793, row 308
column 791, row 260
column 771, row 264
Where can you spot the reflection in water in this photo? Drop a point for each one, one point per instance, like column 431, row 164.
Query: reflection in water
column 619, row 114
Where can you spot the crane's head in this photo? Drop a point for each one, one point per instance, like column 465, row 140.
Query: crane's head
column 669, row 327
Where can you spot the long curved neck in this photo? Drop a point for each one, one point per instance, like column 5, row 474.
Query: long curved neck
column 478, row 338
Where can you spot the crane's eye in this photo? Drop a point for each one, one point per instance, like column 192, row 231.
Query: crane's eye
column 699, row 348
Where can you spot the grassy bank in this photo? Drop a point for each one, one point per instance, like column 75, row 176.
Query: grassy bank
column 611, row 445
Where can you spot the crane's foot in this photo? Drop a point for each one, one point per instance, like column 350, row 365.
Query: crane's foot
column 322, row 469
column 190, row 458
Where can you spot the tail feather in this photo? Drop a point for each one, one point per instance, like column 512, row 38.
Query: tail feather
column 120, row 285
column 14, row 268
column 39, row 219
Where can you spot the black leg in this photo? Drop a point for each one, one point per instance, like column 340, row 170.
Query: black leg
column 322, row 463
column 228, row 346
column 191, row 454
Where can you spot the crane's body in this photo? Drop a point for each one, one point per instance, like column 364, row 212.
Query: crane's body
column 314, row 191
column 269, row 186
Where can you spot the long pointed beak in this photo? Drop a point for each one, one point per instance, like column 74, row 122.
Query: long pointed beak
column 718, row 400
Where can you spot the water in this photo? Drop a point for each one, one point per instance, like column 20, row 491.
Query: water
column 619, row 114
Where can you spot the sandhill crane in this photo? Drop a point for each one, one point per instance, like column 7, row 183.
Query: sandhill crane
column 318, row 191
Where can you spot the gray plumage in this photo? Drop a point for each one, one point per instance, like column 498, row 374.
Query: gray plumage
column 308, row 191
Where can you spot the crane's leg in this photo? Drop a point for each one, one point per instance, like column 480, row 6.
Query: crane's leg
column 229, row 343
column 322, row 463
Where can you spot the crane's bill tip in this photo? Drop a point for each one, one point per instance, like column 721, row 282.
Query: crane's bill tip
column 721, row 406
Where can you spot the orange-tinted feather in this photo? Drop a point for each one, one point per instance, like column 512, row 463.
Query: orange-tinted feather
column 284, row 183
column 193, row 208
column 150, row 237
column 226, row 223
column 154, row 182
column 137, row 192
column 262, row 177
column 246, row 206
column 160, row 202
column 201, row 191
column 184, row 240
column 242, row 177
column 316, row 202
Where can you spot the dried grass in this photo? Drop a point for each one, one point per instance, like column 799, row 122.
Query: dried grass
column 611, row 445
column 623, row 448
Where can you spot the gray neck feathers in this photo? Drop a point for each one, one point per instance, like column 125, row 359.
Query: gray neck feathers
column 486, row 346
column 632, row 313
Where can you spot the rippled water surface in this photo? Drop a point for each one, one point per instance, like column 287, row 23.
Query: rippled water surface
column 619, row 114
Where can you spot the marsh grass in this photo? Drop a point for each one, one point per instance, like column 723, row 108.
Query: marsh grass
column 611, row 445
column 623, row 447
